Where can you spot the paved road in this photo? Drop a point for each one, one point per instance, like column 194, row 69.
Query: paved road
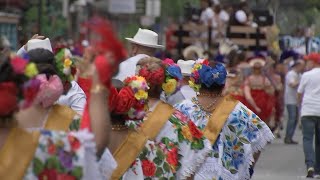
column 281, row 162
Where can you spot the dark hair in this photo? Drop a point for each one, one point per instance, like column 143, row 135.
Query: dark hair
column 7, row 75
column 214, row 88
column 45, row 61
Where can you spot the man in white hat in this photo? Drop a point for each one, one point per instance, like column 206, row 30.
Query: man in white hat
column 143, row 44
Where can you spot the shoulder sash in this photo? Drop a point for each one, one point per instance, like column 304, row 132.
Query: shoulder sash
column 17, row 153
column 60, row 118
column 130, row 149
column 218, row 118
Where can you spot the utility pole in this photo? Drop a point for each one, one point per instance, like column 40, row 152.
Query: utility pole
column 39, row 16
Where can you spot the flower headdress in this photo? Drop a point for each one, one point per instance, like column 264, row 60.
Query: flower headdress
column 131, row 101
column 65, row 65
column 12, row 92
column 173, row 76
column 203, row 74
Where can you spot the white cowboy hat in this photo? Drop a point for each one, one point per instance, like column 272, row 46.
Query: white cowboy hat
column 186, row 66
column 39, row 43
column 226, row 46
column 145, row 37
column 193, row 49
column 261, row 61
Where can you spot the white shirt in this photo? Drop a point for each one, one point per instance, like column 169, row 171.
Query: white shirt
column 290, row 95
column 128, row 67
column 206, row 16
column 75, row 98
column 224, row 16
column 310, row 88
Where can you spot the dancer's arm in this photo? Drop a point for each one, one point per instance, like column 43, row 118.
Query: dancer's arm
column 99, row 113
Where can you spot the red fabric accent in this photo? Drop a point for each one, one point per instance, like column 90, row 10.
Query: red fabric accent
column 264, row 101
column 8, row 100
column 240, row 98
column 85, row 84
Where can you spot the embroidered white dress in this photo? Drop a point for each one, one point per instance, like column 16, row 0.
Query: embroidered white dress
column 72, row 155
column 232, row 154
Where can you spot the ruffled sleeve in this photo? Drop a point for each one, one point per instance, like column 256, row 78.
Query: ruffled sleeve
column 107, row 164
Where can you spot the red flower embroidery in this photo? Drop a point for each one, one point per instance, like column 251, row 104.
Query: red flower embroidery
column 48, row 174
column 194, row 130
column 65, row 177
column 172, row 157
column 52, row 149
column 74, row 142
column 148, row 168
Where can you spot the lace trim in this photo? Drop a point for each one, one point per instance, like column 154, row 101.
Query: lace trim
column 264, row 137
column 189, row 169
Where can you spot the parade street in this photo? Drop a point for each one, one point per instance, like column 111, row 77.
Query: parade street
column 281, row 162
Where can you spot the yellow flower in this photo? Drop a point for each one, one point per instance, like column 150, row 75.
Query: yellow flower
column 194, row 86
column 170, row 86
column 140, row 78
column 67, row 63
column 255, row 121
column 31, row 70
column 186, row 133
column 141, row 95
column 197, row 66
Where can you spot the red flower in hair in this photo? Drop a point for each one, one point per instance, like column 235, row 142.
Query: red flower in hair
column 144, row 73
column 206, row 62
column 8, row 100
column 157, row 76
column 18, row 65
column 125, row 100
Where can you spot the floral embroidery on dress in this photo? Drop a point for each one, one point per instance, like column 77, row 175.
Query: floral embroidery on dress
column 58, row 157
column 187, row 130
column 244, row 133
column 158, row 160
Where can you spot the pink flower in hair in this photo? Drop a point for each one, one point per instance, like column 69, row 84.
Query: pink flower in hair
column 50, row 90
column 168, row 62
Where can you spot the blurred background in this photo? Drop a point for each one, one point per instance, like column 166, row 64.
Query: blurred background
column 61, row 19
